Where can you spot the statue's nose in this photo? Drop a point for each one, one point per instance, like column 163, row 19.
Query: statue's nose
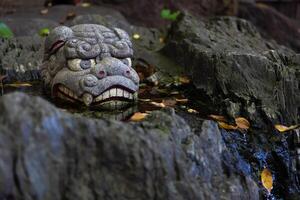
column 114, row 67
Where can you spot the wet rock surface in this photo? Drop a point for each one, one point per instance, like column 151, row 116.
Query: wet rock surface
column 53, row 155
column 232, row 64
column 234, row 68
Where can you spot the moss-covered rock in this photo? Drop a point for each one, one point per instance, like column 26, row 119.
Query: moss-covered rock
column 50, row 154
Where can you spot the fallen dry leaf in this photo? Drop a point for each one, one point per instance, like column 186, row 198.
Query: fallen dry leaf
column 184, row 80
column 161, row 105
column 85, row 5
column 242, row 123
column 145, row 100
column 182, row 100
column 161, row 40
column 18, row 85
column 267, row 179
column 136, row 117
column 192, row 111
column 174, row 93
column 282, row 128
column 136, row 36
column 44, row 11
column 227, row 126
column 218, row 118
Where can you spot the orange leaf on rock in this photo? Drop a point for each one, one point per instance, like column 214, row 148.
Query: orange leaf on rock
column 162, row 105
column 218, row 118
column 136, row 117
column 242, row 123
column 282, row 128
column 227, row 126
column 192, row 111
column 267, row 179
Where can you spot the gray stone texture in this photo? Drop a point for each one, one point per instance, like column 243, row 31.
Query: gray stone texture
column 54, row 155
column 231, row 63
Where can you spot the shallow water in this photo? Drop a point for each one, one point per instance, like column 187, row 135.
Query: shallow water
column 146, row 98
column 36, row 89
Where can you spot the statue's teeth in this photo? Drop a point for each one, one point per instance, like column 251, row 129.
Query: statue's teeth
column 126, row 94
column 119, row 92
column 87, row 99
column 106, row 95
column 99, row 98
column 113, row 92
column 135, row 96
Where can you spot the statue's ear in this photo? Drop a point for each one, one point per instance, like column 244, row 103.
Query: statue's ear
column 56, row 39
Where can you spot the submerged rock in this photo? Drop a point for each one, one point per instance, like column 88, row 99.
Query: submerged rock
column 50, row 154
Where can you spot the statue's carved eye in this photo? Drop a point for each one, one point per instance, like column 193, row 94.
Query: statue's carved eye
column 79, row 64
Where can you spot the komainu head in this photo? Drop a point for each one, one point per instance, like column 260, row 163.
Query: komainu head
column 90, row 64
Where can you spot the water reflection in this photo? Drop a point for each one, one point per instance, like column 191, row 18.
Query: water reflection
column 81, row 110
column 36, row 89
column 169, row 96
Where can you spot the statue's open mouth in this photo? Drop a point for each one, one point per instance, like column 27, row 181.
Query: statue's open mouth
column 114, row 97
